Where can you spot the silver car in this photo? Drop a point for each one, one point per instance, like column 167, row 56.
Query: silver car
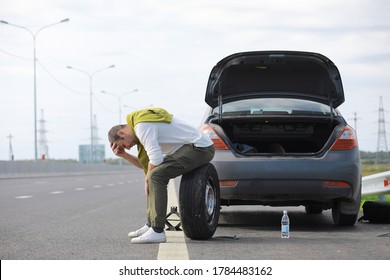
column 279, row 138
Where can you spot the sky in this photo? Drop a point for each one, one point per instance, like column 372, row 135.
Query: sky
column 163, row 52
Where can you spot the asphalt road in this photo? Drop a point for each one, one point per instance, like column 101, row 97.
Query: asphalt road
column 88, row 218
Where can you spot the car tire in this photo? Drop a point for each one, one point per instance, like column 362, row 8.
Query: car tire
column 345, row 213
column 199, row 202
column 313, row 209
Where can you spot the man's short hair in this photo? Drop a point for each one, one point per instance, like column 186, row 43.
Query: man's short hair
column 113, row 133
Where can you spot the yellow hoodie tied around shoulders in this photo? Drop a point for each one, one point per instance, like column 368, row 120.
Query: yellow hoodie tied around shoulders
column 146, row 115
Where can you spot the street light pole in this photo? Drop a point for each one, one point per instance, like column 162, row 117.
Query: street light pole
column 34, row 36
column 90, row 77
column 119, row 97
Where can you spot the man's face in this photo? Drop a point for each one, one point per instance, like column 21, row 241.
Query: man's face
column 129, row 139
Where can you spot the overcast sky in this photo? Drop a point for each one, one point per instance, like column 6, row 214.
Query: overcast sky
column 166, row 50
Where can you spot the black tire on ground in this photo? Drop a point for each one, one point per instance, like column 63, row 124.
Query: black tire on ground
column 341, row 219
column 199, row 202
column 339, row 208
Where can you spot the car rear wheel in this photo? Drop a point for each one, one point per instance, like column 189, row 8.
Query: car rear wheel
column 199, row 202
column 345, row 213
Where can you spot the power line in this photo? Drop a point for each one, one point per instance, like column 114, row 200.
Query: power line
column 382, row 152
column 43, row 146
column 16, row 56
column 11, row 151
column 58, row 81
column 355, row 119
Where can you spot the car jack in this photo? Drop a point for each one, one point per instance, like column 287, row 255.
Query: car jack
column 167, row 221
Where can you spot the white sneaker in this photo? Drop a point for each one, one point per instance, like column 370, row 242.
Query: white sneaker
column 139, row 232
column 150, row 237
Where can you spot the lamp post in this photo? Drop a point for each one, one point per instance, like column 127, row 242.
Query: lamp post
column 34, row 36
column 119, row 97
column 90, row 76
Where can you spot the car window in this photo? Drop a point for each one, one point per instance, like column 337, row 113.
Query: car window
column 278, row 106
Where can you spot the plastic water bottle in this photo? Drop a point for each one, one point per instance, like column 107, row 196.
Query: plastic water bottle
column 285, row 232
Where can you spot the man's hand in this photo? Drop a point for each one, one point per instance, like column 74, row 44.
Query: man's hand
column 118, row 150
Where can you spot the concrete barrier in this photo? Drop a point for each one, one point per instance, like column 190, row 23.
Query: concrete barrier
column 25, row 169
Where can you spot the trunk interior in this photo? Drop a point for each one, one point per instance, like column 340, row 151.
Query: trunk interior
column 276, row 136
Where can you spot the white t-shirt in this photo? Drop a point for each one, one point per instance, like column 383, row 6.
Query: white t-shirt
column 160, row 139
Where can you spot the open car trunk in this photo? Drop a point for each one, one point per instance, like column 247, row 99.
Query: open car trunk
column 259, row 135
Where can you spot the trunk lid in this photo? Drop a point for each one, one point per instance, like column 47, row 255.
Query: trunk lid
column 286, row 74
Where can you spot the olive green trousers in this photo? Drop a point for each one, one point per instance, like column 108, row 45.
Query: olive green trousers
column 180, row 162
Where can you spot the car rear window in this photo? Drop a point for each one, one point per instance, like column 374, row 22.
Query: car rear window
column 274, row 106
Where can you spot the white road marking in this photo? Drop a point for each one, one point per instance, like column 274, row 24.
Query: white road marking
column 23, row 196
column 97, row 187
column 57, row 192
column 79, row 189
column 175, row 248
column 110, row 184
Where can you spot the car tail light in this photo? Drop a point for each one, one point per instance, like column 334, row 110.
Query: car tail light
column 346, row 141
column 336, row 184
column 219, row 144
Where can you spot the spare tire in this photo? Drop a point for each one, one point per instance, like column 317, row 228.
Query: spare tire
column 199, row 202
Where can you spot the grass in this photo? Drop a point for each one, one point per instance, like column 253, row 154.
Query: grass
column 369, row 169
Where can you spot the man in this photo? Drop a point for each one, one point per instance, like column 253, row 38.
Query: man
column 167, row 148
